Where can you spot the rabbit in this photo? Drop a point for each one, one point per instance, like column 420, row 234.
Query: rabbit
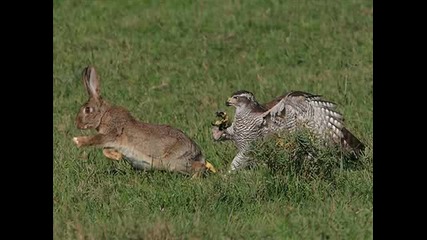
column 145, row 146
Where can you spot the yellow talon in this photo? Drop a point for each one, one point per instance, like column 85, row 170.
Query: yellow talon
column 210, row 167
column 218, row 123
column 223, row 122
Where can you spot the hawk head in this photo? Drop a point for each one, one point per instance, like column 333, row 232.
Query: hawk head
column 241, row 98
column 244, row 101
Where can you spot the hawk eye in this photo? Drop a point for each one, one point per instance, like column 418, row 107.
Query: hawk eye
column 235, row 97
column 87, row 110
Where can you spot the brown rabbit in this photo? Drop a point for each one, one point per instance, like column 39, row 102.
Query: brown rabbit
column 143, row 145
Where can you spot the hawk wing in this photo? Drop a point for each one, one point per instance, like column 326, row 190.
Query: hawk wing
column 297, row 109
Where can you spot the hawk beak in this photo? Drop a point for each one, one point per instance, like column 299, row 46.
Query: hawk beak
column 228, row 103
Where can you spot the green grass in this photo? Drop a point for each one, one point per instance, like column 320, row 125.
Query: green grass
column 176, row 62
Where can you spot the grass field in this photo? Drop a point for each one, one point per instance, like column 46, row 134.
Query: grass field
column 176, row 62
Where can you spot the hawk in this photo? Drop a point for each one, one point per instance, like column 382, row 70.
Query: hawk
column 288, row 112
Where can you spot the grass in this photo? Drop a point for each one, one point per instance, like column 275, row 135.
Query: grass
column 301, row 155
column 176, row 62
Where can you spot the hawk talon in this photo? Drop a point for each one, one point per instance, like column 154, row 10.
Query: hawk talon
column 223, row 122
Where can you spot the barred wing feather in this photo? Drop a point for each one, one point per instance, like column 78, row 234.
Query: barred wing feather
column 304, row 109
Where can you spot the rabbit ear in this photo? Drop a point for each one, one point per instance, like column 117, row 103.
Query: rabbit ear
column 91, row 82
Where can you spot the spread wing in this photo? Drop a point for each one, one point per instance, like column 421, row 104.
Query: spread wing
column 297, row 109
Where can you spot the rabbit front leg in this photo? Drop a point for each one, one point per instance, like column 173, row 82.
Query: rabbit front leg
column 112, row 154
column 88, row 141
column 96, row 140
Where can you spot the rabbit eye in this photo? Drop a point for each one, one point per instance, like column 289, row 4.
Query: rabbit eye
column 88, row 110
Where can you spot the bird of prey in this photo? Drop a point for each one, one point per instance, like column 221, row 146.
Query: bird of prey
column 288, row 112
